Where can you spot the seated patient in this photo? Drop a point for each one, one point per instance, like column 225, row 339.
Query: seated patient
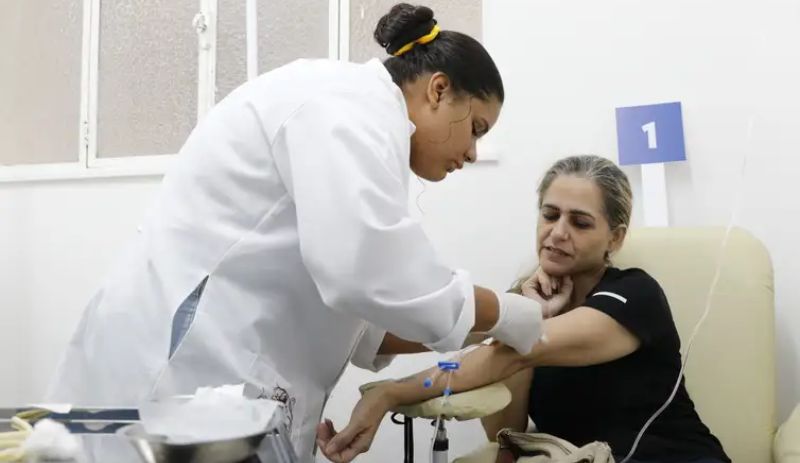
column 612, row 353
column 608, row 393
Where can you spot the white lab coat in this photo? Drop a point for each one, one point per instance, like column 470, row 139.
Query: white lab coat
column 291, row 198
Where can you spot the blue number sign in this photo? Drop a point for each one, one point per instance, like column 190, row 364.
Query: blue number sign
column 650, row 134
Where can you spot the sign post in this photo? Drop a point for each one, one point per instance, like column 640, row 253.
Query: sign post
column 650, row 136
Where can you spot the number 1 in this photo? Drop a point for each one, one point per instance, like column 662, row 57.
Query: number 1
column 650, row 130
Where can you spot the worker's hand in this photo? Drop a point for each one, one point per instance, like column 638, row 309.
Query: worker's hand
column 553, row 293
column 356, row 437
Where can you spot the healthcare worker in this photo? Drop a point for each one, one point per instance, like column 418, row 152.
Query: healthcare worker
column 280, row 246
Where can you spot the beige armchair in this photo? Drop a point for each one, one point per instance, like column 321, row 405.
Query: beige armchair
column 731, row 370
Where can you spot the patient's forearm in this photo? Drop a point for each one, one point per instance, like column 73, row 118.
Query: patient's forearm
column 482, row 366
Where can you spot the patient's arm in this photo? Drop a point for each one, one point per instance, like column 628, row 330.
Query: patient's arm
column 484, row 365
column 515, row 415
column 582, row 336
column 565, row 349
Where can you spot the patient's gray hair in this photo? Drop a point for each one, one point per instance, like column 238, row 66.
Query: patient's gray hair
column 612, row 181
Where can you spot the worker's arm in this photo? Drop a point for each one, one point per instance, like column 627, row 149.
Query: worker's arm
column 377, row 347
column 393, row 345
column 372, row 260
column 486, row 312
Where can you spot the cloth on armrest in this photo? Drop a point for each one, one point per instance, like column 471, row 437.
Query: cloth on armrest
column 519, row 447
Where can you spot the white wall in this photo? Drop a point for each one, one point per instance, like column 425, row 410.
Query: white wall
column 566, row 65
column 57, row 240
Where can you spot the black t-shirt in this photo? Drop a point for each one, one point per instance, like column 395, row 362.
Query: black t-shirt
column 611, row 402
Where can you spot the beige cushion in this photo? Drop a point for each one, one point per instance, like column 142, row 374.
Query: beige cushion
column 731, row 370
column 468, row 405
column 787, row 440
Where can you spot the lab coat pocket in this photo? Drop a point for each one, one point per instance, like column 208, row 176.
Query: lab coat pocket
column 271, row 385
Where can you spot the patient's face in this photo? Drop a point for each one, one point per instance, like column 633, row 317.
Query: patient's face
column 573, row 233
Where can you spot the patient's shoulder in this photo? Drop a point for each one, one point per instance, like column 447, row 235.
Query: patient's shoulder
column 636, row 300
column 631, row 285
column 633, row 278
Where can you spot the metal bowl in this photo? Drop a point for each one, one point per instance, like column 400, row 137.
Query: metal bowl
column 156, row 449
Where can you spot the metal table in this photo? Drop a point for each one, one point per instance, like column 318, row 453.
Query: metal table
column 97, row 429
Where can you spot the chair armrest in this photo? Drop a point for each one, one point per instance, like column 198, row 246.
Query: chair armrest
column 786, row 448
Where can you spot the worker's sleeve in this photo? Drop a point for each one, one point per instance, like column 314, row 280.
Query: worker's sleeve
column 342, row 159
column 366, row 354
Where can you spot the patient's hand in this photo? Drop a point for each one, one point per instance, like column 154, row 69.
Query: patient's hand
column 552, row 293
column 356, row 437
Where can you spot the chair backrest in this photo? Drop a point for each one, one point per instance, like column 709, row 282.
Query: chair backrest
column 731, row 369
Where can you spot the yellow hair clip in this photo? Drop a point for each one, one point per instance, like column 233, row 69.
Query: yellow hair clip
column 422, row 40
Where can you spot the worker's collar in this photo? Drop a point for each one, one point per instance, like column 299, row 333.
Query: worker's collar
column 380, row 69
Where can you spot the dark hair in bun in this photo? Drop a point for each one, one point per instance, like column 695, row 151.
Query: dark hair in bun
column 462, row 58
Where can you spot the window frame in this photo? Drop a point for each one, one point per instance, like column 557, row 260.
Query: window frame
column 88, row 164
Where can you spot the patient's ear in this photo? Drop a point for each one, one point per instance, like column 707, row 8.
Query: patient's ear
column 617, row 238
